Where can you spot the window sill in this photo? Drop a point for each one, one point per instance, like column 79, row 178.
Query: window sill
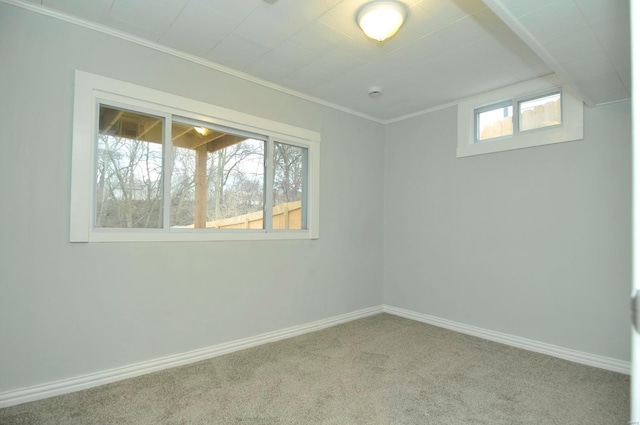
column 138, row 235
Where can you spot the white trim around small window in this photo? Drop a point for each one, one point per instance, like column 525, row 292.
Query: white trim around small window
column 108, row 111
column 566, row 124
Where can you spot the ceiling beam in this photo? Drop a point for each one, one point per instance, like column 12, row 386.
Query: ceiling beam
column 187, row 138
column 223, row 142
column 504, row 13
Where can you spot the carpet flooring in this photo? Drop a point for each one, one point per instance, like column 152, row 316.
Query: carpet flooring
column 378, row 370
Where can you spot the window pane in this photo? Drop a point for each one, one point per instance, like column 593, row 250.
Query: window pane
column 128, row 169
column 217, row 179
column 289, row 186
column 495, row 122
column 540, row 112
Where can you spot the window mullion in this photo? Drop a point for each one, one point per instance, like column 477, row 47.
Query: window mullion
column 515, row 116
column 269, row 174
column 305, row 189
column 166, row 174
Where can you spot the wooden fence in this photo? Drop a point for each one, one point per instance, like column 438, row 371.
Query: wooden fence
column 285, row 216
column 537, row 117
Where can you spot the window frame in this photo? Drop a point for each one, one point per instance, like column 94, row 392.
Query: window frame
column 304, row 202
column 487, row 108
column 570, row 129
column 91, row 89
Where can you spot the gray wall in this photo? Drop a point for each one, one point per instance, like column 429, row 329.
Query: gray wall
column 72, row 309
column 532, row 242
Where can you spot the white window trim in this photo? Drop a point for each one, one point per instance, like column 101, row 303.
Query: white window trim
column 89, row 88
column 571, row 128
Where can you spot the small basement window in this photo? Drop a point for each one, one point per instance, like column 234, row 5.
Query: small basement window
column 547, row 112
column 167, row 168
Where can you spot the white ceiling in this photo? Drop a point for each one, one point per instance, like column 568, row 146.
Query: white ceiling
column 446, row 50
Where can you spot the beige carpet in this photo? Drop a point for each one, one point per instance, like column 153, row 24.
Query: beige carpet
column 378, row 370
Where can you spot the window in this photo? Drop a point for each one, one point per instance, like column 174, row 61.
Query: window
column 541, row 111
column 534, row 113
column 497, row 120
column 217, row 178
column 128, row 176
column 289, row 187
column 494, row 121
column 167, row 168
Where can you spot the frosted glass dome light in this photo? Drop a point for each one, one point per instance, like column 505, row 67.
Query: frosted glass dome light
column 381, row 19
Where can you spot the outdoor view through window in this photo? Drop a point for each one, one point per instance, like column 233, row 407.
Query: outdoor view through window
column 215, row 179
column 129, row 170
column 497, row 120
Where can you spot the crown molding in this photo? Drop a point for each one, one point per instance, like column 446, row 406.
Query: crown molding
column 43, row 10
column 421, row 112
column 33, row 7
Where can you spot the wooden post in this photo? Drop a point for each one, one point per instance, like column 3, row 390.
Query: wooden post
column 200, row 208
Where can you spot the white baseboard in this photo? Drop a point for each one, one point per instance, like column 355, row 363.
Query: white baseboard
column 594, row 360
column 38, row 392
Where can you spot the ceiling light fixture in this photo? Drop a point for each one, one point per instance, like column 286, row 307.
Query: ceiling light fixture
column 202, row 131
column 381, row 19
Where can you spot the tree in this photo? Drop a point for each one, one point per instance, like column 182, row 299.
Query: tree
column 234, row 185
column 128, row 183
column 288, row 179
